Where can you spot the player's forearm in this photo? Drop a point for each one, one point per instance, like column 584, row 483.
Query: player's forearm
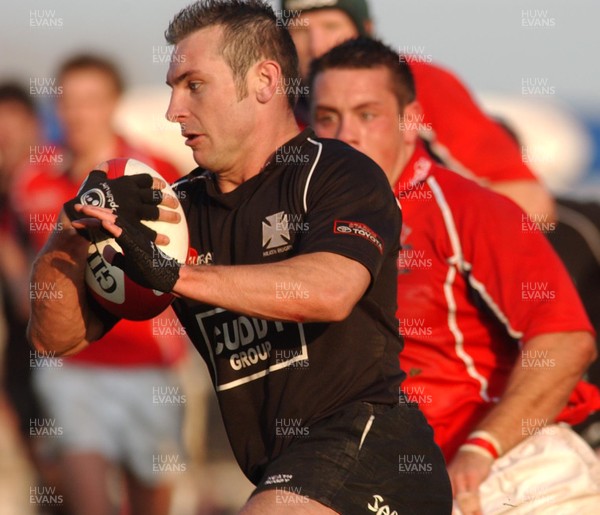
column 546, row 372
column 309, row 288
column 60, row 322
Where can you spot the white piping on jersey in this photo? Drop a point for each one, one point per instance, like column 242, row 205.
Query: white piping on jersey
column 187, row 178
column 457, row 259
column 586, row 229
column 463, row 265
column 366, row 431
column 304, row 197
column 517, row 335
column 180, row 181
column 456, row 262
column 458, row 335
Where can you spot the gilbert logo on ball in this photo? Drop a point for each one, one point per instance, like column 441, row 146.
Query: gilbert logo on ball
column 109, row 285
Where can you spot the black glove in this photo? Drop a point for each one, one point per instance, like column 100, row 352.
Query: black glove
column 130, row 197
column 143, row 261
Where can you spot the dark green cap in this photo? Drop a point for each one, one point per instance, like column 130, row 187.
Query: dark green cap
column 358, row 10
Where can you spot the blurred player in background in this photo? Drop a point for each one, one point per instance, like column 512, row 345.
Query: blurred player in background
column 467, row 140
column 103, row 397
column 322, row 359
column 19, row 132
column 496, row 337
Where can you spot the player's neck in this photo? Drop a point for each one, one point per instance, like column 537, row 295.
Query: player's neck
column 402, row 160
column 260, row 148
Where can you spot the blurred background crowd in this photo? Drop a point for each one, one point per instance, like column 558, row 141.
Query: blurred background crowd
column 84, row 82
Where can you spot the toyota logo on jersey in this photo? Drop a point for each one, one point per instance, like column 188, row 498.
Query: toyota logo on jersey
column 358, row 229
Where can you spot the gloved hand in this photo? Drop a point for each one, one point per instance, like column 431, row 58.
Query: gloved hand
column 130, row 197
column 143, row 261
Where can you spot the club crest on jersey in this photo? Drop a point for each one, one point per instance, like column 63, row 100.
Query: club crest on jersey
column 276, row 234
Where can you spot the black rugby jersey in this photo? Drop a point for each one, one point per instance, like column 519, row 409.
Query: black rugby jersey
column 274, row 379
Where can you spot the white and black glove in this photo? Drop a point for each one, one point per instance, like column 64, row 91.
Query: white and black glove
column 143, row 261
column 130, row 197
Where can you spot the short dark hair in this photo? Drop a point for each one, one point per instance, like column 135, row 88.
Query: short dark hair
column 93, row 62
column 251, row 31
column 14, row 92
column 369, row 53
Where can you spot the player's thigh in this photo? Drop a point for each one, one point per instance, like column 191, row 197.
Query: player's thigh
column 364, row 458
column 84, row 479
column 270, row 502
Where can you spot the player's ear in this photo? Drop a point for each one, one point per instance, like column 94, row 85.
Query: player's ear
column 267, row 80
column 412, row 122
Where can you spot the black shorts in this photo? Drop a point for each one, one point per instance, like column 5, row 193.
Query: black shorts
column 398, row 465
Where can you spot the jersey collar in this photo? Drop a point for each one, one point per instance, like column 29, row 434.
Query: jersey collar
column 233, row 198
column 295, row 142
column 416, row 170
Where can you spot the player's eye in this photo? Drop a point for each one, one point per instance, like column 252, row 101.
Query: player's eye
column 324, row 119
column 367, row 116
column 194, row 85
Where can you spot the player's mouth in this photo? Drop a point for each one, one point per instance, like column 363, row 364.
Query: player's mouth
column 191, row 138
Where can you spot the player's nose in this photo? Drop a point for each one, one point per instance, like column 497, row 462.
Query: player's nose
column 347, row 132
column 176, row 110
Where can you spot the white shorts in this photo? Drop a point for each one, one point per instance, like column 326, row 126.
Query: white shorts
column 551, row 473
column 132, row 416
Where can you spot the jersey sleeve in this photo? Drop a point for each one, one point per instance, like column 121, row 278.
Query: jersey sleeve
column 474, row 141
column 351, row 211
column 512, row 269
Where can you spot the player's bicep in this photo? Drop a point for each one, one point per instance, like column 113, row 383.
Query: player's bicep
column 335, row 283
column 341, row 273
column 352, row 213
column 539, row 296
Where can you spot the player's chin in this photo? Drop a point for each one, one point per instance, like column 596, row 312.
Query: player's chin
column 201, row 158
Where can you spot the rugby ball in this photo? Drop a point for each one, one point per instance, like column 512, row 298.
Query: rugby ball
column 109, row 285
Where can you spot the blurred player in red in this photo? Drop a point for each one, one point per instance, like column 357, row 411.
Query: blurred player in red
column 496, row 337
column 102, row 398
column 468, row 141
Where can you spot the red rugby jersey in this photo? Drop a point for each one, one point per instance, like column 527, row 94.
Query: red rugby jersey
column 38, row 196
column 466, row 139
column 475, row 277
